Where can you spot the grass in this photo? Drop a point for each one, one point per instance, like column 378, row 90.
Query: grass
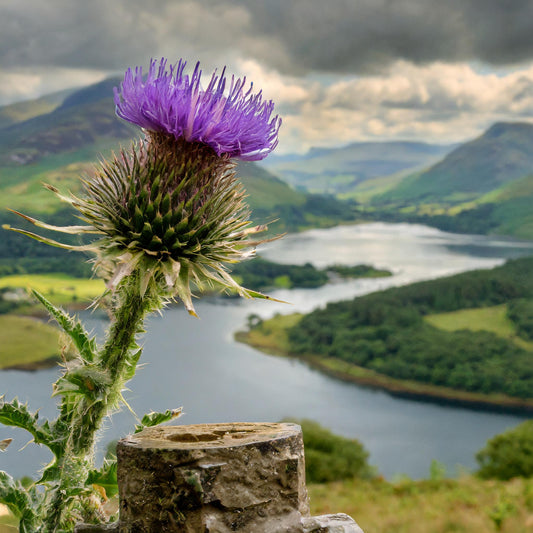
column 26, row 341
column 463, row 505
column 8, row 523
column 58, row 288
column 493, row 319
column 458, row 505
column 366, row 190
column 21, row 186
column 271, row 337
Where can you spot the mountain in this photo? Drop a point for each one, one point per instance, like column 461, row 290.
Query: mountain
column 85, row 118
column 21, row 111
column 483, row 186
column 343, row 170
column 63, row 143
column 500, row 156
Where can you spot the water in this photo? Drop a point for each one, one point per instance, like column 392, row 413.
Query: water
column 196, row 363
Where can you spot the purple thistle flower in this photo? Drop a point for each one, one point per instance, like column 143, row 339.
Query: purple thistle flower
column 233, row 122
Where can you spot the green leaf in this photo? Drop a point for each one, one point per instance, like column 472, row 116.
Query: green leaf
column 105, row 478
column 16, row 414
column 51, row 473
column 131, row 364
column 22, row 503
column 154, row 419
column 87, row 380
column 84, row 343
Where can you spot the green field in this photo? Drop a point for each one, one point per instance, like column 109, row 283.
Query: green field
column 493, row 319
column 271, row 337
column 26, row 341
column 22, row 186
column 58, row 288
column 463, row 505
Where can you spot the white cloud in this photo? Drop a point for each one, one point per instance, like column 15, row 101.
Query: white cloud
column 438, row 103
column 22, row 84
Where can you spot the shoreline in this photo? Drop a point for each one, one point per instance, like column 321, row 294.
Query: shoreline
column 43, row 364
column 401, row 388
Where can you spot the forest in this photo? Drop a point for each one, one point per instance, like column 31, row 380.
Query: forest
column 387, row 332
column 262, row 274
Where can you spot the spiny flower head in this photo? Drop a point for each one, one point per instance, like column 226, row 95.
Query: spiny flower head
column 232, row 121
column 169, row 212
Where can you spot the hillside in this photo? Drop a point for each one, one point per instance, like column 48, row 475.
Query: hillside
column 343, row 170
column 24, row 110
column 84, row 118
column 468, row 337
column 483, row 186
column 493, row 160
column 63, row 143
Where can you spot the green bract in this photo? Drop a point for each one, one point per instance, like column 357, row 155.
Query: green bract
column 170, row 209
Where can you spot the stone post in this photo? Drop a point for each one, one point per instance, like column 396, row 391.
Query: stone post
column 213, row 478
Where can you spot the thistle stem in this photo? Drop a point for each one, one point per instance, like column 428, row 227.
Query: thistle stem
column 129, row 314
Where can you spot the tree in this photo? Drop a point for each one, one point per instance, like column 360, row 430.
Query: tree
column 509, row 454
column 330, row 457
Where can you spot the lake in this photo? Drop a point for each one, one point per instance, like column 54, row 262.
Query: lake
column 195, row 363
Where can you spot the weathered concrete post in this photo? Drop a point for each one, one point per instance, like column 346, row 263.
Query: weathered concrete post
column 213, row 478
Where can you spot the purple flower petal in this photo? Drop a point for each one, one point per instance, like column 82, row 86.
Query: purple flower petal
column 231, row 120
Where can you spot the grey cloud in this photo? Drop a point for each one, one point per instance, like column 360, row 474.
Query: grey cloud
column 72, row 33
column 338, row 36
column 365, row 35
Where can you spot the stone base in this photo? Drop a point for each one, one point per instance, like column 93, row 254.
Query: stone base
column 213, row 478
column 330, row 523
column 216, row 478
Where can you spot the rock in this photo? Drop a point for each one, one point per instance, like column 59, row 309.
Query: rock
column 98, row 528
column 213, row 478
column 330, row 523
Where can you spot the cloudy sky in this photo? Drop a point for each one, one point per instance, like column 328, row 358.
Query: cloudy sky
column 339, row 70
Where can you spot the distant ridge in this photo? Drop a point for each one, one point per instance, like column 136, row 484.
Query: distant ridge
column 63, row 142
column 483, row 186
column 85, row 117
column 501, row 155
column 20, row 111
column 341, row 170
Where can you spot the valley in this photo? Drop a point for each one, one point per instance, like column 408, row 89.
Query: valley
column 452, row 187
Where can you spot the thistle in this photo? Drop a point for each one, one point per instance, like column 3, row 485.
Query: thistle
column 171, row 207
column 168, row 214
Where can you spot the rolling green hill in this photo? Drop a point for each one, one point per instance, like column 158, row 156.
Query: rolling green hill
column 85, row 118
column 483, row 186
column 492, row 161
column 343, row 170
column 63, row 142
column 466, row 338
column 21, row 111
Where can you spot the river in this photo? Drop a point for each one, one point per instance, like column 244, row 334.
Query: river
column 195, row 363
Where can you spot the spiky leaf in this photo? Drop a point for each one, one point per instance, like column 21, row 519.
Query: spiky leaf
column 84, row 343
column 131, row 364
column 154, row 419
column 22, row 503
column 15, row 414
column 105, row 478
column 87, row 380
